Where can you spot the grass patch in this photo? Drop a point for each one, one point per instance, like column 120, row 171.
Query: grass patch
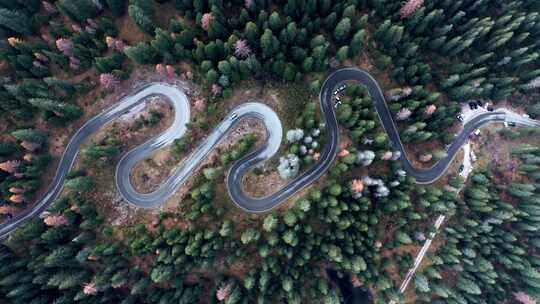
column 294, row 98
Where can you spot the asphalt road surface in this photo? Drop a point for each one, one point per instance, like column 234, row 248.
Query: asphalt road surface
column 238, row 170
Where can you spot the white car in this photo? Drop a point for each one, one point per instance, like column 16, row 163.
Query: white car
column 234, row 116
column 477, row 132
column 460, row 117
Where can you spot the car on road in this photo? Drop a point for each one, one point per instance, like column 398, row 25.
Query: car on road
column 473, row 105
column 461, row 168
column 460, row 117
column 512, row 124
column 490, row 109
column 342, row 87
column 525, row 115
column 477, row 132
column 234, row 116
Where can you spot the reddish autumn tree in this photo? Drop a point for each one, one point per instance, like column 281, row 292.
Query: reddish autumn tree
column 200, row 104
column 110, row 41
column 55, row 220
column 387, row 155
column 241, row 48
column 16, row 190
column 30, row 146
column 171, row 73
column 524, row 298
column 403, row 114
column 17, row 198
column 343, row 153
column 410, row 7
column 48, row 7
column 77, row 28
column 119, row 45
column 14, row 41
column 160, row 69
column 28, row 157
column 224, row 291
column 74, row 63
column 108, row 81
column 39, row 56
column 90, row 288
column 206, row 20
column 65, row 46
column 357, row 186
column 430, row 109
column 216, row 90
column 426, row 157
column 10, row 166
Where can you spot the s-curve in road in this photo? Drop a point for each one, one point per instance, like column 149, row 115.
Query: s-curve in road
column 271, row 121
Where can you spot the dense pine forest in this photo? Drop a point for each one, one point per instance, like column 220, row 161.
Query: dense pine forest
column 366, row 219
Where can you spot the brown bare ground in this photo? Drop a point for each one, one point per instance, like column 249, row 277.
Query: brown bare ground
column 129, row 31
column 261, row 185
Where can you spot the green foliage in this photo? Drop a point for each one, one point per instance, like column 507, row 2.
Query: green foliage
column 28, row 135
column 343, row 29
column 142, row 53
column 15, row 21
column 78, row 10
column 80, row 184
column 142, row 16
column 116, row 6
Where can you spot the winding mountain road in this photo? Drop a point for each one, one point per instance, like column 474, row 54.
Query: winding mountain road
column 274, row 129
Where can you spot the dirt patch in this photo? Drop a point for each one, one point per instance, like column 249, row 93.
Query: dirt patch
column 417, row 150
column 132, row 34
column 495, row 153
column 164, row 13
column 261, row 185
column 129, row 31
